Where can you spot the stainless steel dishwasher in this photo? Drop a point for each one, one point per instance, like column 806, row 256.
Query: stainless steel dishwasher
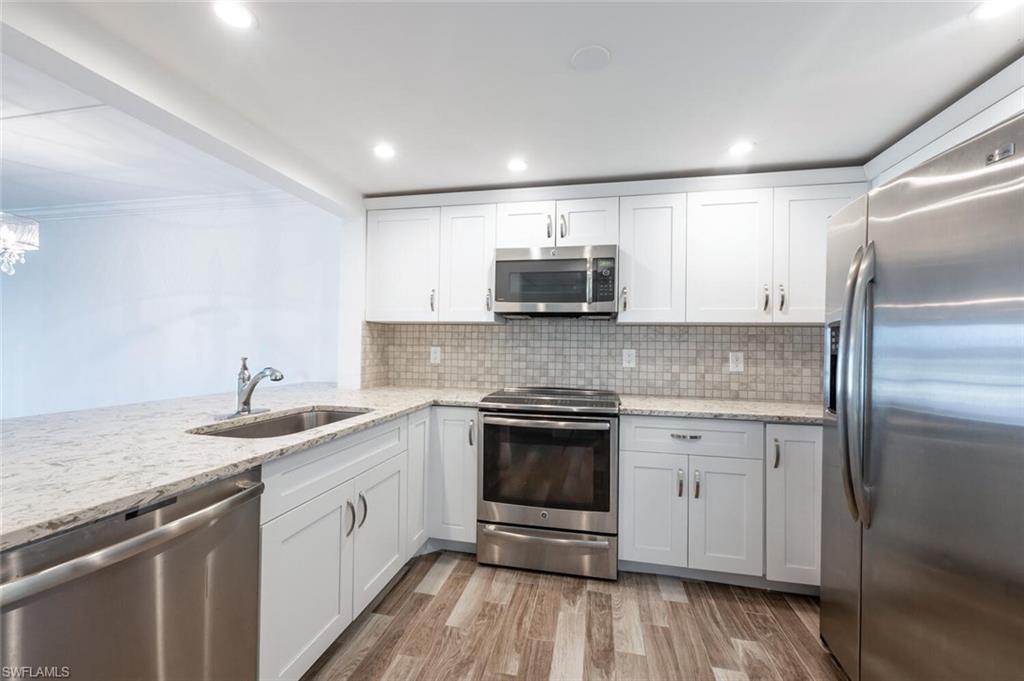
column 167, row 591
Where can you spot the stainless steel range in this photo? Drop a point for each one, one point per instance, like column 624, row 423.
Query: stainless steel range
column 549, row 480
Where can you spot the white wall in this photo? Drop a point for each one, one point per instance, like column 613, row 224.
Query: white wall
column 160, row 302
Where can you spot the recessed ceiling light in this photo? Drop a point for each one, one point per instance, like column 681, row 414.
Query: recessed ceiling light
column 591, row 58
column 741, row 148
column 517, row 165
column 994, row 8
column 234, row 14
column 384, row 150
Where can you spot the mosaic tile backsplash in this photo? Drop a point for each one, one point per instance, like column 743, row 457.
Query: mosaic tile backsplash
column 781, row 363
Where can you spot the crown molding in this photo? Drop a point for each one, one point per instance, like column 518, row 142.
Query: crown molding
column 171, row 204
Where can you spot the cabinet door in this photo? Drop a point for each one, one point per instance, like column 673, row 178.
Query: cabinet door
column 526, row 225
column 379, row 540
column 793, row 504
column 305, row 583
column 467, row 263
column 800, row 236
column 652, row 508
column 588, row 222
column 729, row 256
column 402, row 252
column 453, row 484
column 727, row 515
column 652, row 258
column 419, row 446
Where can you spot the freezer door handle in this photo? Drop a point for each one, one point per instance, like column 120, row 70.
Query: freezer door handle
column 858, row 374
column 842, row 382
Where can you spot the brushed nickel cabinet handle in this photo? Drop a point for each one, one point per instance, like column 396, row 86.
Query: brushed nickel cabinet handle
column 563, row 227
column 782, row 297
column 696, row 484
column 681, row 477
column 488, row 300
column 684, row 436
column 472, row 427
column 433, row 295
column 366, row 508
column 764, row 308
column 624, row 299
column 549, row 226
column 352, row 514
column 778, row 453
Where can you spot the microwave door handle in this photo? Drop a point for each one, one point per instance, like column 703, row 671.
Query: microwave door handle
column 541, row 423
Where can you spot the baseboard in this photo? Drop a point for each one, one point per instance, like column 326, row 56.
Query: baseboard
column 721, row 577
column 434, row 545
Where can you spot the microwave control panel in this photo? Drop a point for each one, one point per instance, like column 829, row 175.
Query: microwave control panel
column 604, row 280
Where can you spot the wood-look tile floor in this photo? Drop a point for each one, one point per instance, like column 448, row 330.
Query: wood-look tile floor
column 449, row 618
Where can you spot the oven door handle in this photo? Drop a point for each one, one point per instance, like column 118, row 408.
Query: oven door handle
column 493, row 531
column 538, row 423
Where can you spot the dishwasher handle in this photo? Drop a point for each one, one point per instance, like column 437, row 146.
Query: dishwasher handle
column 37, row 582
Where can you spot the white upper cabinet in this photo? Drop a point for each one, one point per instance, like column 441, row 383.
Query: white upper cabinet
column 800, row 237
column 588, row 222
column 402, row 248
column 729, row 256
column 467, row 263
column 526, row 224
column 652, row 258
column 793, row 504
column 577, row 222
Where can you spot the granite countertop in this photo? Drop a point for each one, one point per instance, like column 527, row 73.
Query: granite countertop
column 59, row 471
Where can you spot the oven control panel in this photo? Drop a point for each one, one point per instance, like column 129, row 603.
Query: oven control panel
column 603, row 275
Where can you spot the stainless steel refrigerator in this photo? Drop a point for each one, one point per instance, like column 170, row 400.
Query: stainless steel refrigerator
column 923, row 478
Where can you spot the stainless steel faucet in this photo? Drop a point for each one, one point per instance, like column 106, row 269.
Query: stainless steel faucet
column 247, row 384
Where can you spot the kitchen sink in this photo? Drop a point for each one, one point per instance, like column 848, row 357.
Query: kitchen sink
column 285, row 424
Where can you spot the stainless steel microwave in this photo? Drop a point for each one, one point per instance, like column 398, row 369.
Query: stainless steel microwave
column 556, row 281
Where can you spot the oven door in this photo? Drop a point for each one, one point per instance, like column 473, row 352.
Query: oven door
column 557, row 472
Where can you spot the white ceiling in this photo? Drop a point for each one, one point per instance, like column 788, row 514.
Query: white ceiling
column 459, row 88
column 62, row 147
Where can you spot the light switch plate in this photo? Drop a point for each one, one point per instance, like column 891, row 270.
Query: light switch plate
column 435, row 354
column 735, row 362
column 629, row 359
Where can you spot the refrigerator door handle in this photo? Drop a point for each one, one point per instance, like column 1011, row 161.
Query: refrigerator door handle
column 842, row 382
column 857, row 380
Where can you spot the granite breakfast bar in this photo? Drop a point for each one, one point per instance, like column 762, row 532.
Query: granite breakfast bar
column 65, row 470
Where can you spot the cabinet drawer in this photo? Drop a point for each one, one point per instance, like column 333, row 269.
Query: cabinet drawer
column 703, row 437
column 295, row 479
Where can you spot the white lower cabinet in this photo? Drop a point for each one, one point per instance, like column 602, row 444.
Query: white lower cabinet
column 653, row 491
column 379, row 541
column 419, row 449
column 727, row 515
column 691, row 493
column 453, row 474
column 305, row 582
column 793, row 503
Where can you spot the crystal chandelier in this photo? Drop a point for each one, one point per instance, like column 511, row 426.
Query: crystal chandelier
column 17, row 235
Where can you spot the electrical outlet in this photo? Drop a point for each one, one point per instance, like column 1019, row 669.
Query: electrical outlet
column 736, row 362
column 435, row 354
column 629, row 359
